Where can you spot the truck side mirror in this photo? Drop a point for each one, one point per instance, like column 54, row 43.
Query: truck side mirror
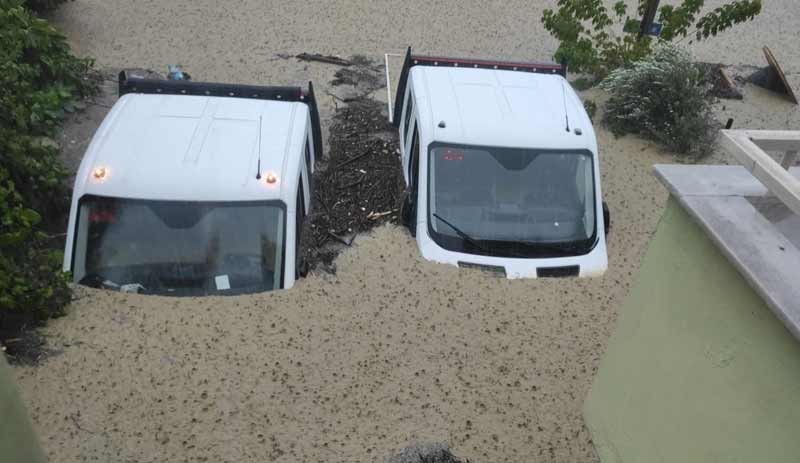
column 606, row 218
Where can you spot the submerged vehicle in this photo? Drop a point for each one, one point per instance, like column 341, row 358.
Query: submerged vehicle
column 501, row 166
column 192, row 188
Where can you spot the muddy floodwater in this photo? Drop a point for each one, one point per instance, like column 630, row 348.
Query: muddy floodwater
column 391, row 349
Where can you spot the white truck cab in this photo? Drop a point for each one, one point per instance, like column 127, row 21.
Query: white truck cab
column 501, row 166
column 192, row 188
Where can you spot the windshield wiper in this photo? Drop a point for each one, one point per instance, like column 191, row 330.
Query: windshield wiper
column 564, row 249
column 470, row 239
column 461, row 234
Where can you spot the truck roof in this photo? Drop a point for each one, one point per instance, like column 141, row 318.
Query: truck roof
column 494, row 107
column 195, row 148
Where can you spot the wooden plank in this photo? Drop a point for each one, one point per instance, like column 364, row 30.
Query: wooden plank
column 773, row 63
column 777, row 179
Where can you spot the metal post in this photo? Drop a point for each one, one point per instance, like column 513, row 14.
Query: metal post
column 649, row 17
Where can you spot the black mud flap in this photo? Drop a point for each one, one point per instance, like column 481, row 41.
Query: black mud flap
column 606, row 218
column 301, row 269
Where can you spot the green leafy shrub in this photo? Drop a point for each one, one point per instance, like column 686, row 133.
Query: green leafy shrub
column 39, row 76
column 592, row 37
column 41, row 6
column 40, row 80
column 662, row 97
column 31, row 282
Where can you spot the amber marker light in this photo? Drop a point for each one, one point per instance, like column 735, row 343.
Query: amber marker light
column 270, row 178
column 100, row 174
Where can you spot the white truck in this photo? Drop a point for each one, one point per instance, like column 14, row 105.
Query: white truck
column 192, row 188
column 501, row 166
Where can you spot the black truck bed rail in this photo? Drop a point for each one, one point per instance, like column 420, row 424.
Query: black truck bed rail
column 133, row 84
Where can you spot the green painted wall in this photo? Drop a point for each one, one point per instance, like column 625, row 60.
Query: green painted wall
column 18, row 443
column 698, row 369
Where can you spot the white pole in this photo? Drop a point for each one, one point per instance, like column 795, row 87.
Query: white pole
column 389, row 85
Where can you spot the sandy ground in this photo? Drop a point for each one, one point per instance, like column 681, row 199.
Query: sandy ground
column 392, row 349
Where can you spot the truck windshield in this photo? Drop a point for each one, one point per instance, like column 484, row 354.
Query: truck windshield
column 511, row 202
column 178, row 248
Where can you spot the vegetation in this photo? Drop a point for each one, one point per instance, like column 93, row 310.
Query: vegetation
column 41, row 6
column 591, row 108
column 663, row 97
column 596, row 40
column 40, row 80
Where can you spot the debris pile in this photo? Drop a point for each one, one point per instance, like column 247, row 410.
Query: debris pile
column 425, row 453
column 728, row 81
column 358, row 185
column 720, row 82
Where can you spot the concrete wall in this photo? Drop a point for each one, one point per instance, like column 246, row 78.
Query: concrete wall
column 18, row 443
column 698, row 369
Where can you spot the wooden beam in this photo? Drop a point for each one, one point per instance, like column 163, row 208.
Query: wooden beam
column 777, row 179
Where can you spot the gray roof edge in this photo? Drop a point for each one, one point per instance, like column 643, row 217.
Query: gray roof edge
column 706, row 180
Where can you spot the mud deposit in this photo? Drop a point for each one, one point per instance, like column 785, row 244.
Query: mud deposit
column 391, row 350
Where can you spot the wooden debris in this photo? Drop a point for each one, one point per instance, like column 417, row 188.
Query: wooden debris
column 354, row 158
column 328, row 59
column 720, row 82
column 776, row 79
column 378, row 215
column 359, row 175
column 342, row 240
column 730, row 87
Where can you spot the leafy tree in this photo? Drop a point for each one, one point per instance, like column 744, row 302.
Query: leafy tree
column 592, row 37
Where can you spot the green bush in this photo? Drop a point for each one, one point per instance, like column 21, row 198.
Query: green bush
column 31, row 281
column 662, row 97
column 40, row 80
column 593, row 39
column 39, row 76
column 41, row 6
column 591, row 108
